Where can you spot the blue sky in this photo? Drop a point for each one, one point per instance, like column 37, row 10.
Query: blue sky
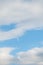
column 21, row 32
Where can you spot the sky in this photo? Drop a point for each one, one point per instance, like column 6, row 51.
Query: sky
column 21, row 32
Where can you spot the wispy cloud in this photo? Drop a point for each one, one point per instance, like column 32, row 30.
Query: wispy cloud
column 26, row 16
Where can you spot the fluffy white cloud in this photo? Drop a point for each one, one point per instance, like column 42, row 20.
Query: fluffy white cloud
column 5, row 56
column 31, row 57
column 26, row 14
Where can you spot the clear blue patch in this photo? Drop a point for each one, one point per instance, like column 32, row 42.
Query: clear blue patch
column 7, row 27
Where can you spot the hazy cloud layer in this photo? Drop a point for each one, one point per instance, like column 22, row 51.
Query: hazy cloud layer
column 25, row 14
column 14, row 11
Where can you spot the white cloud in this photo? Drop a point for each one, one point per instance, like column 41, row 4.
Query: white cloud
column 31, row 57
column 11, row 34
column 5, row 56
column 19, row 30
column 16, row 11
column 26, row 15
